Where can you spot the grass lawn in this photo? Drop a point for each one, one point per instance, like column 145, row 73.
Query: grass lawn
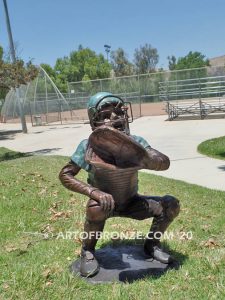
column 35, row 266
column 214, row 148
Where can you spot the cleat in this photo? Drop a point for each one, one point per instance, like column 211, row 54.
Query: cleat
column 158, row 254
column 88, row 264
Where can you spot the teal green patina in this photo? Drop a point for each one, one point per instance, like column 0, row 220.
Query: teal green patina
column 93, row 105
column 79, row 155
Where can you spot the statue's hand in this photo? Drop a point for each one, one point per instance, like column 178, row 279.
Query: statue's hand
column 105, row 200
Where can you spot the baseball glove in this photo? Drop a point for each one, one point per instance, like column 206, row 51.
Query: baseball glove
column 111, row 149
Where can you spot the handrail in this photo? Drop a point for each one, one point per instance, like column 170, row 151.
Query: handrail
column 195, row 87
column 192, row 79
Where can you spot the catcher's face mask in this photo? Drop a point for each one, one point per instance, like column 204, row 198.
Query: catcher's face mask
column 111, row 111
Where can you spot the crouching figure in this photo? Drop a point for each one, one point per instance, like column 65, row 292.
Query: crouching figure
column 112, row 158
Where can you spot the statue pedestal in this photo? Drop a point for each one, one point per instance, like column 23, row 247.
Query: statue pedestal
column 124, row 263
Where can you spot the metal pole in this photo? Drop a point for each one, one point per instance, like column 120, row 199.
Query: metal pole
column 140, row 102
column 107, row 50
column 46, row 101
column 13, row 57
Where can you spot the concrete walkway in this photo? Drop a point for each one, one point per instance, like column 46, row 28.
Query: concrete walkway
column 177, row 139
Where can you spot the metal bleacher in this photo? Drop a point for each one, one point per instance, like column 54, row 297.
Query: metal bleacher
column 197, row 97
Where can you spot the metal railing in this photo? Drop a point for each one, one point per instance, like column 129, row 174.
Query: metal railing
column 206, row 87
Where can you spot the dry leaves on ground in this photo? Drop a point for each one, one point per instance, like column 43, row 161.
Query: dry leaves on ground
column 210, row 243
column 55, row 215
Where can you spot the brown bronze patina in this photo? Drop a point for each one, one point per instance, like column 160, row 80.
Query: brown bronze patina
column 112, row 158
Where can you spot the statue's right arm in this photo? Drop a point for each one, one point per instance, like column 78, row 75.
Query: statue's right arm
column 67, row 177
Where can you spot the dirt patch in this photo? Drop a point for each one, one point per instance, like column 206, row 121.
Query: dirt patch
column 80, row 115
column 153, row 109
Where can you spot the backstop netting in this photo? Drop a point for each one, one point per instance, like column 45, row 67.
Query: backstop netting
column 41, row 101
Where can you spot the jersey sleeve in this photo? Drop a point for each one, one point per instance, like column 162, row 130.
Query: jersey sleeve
column 79, row 156
column 141, row 141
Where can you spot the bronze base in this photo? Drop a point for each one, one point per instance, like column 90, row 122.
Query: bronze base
column 124, row 263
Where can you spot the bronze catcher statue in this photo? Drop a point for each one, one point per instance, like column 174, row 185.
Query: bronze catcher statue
column 112, row 158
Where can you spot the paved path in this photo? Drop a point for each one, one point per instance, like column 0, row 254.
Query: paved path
column 177, row 139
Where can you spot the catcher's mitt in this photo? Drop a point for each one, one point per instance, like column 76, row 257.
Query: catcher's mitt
column 111, row 149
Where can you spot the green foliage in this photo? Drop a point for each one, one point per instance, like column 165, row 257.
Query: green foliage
column 49, row 70
column 3, row 93
column 190, row 61
column 59, row 78
column 214, row 148
column 172, row 62
column 90, row 64
column 121, row 64
column 1, row 53
column 3, row 90
column 82, row 64
column 145, row 59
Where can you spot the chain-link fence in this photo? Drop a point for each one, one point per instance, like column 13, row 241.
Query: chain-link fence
column 44, row 104
column 145, row 90
column 154, row 87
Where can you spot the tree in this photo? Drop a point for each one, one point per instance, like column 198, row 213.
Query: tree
column 145, row 59
column 172, row 62
column 3, row 91
column 190, row 61
column 1, row 53
column 89, row 64
column 49, row 70
column 57, row 74
column 120, row 63
column 12, row 75
column 82, row 64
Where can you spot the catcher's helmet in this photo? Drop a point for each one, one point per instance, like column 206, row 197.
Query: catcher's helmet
column 105, row 108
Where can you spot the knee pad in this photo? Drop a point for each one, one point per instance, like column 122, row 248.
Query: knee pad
column 155, row 207
column 171, row 206
column 94, row 212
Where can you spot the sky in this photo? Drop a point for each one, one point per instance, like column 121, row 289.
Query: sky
column 45, row 30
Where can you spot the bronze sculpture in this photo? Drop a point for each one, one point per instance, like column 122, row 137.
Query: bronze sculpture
column 112, row 185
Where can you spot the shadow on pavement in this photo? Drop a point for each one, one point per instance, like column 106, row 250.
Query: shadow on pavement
column 6, row 154
column 191, row 117
column 8, row 134
column 43, row 151
column 64, row 127
column 222, row 168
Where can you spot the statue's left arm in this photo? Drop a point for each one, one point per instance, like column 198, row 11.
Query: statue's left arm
column 157, row 160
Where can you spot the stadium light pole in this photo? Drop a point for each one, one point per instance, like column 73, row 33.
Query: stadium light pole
column 13, row 58
column 107, row 50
